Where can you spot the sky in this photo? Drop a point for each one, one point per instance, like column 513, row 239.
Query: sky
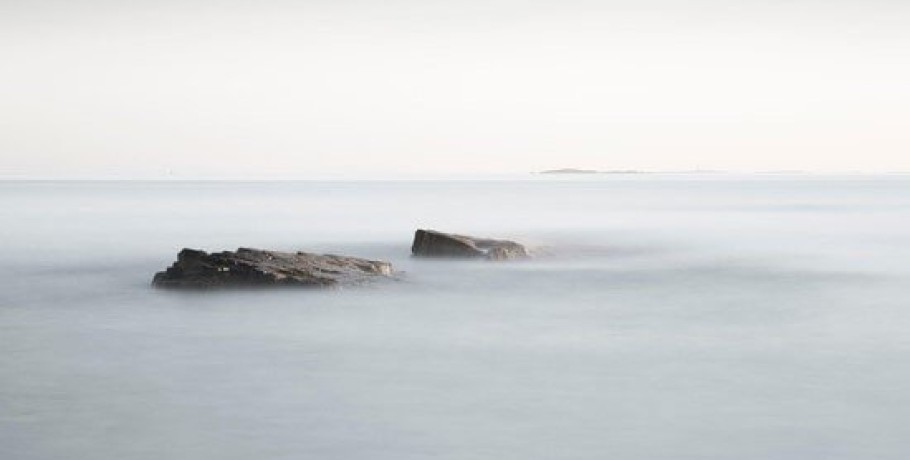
column 310, row 88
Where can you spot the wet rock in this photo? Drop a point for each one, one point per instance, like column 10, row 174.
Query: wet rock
column 431, row 243
column 257, row 268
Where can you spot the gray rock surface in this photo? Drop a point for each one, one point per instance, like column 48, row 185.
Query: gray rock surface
column 257, row 268
column 431, row 243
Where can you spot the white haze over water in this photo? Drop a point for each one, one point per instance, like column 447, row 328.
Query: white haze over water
column 301, row 89
column 672, row 317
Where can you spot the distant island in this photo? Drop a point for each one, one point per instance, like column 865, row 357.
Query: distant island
column 589, row 171
column 569, row 171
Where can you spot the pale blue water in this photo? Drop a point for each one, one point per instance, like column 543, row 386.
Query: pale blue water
column 670, row 317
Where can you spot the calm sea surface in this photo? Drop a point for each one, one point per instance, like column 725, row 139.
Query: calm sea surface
column 666, row 317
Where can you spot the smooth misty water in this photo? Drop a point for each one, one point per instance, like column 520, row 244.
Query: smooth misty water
column 684, row 317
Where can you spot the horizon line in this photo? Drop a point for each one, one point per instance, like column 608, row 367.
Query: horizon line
column 550, row 174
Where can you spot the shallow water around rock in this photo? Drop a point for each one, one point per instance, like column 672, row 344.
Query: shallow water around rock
column 666, row 317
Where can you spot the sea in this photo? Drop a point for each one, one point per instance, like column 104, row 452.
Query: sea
column 664, row 316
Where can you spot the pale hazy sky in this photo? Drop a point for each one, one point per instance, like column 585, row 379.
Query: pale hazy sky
column 196, row 88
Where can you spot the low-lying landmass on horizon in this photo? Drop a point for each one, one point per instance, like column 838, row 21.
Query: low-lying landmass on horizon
column 589, row 171
column 569, row 171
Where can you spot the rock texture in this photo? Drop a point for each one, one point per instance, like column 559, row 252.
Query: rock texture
column 257, row 268
column 430, row 243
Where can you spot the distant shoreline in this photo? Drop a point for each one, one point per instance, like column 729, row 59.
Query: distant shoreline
column 590, row 171
column 780, row 172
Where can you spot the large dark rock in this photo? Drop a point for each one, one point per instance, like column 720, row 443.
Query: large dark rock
column 430, row 243
column 257, row 268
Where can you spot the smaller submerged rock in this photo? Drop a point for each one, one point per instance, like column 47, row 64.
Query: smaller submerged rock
column 258, row 268
column 431, row 243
